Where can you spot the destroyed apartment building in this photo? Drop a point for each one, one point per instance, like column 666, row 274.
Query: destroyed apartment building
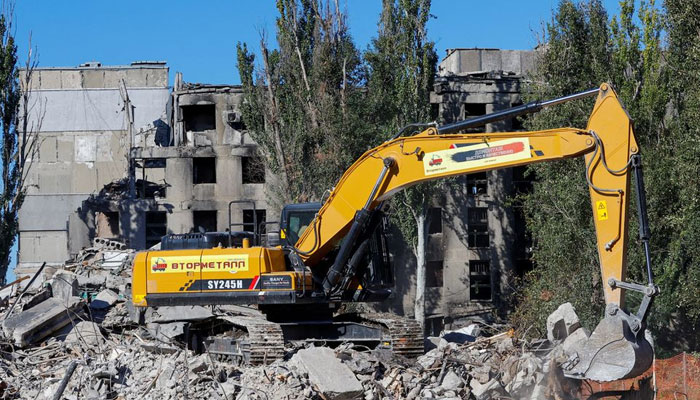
column 123, row 156
column 476, row 244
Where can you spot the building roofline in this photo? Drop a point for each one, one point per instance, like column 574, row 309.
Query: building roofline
column 93, row 65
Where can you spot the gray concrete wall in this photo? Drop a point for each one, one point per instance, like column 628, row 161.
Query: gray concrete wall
column 95, row 109
column 82, row 146
column 464, row 61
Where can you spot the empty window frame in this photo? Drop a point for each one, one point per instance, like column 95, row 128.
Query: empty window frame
column 107, row 223
column 248, row 221
column 471, row 110
column 434, row 273
column 253, row 169
column 479, row 280
column 156, row 227
column 203, row 170
column 477, row 227
column 204, row 221
column 435, row 220
column 477, row 184
column 199, row 117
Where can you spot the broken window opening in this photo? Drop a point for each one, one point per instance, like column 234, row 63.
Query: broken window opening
column 253, row 169
column 477, row 227
column 249, row 222
column 156, row 227
column 477, row 184
column 199, row 117
column 479, row 280
column 146, row 187
column 434, row 273
column 435, row 218
column 471, row 110
column 107, row 224
column 204, row 170
column 204, row 221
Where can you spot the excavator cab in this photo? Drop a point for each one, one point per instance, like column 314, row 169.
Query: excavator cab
column 295, row 218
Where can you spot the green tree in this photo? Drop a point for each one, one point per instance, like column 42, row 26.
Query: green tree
column 402, row 62
column 676, row 185
column 303, row 104
column 582, row 49
column 18, row 138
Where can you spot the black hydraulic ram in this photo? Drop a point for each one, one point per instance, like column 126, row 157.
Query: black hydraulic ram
column 528, row 108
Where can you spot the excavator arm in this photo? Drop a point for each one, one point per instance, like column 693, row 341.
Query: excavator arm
column 617, row 348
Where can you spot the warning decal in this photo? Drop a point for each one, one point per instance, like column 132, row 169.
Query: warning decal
column 458, row 158
column 601, row 208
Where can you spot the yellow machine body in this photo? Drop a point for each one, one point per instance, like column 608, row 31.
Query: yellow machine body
column 193, row 276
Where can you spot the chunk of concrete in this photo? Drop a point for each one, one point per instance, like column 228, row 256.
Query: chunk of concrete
column 104, row 299
column 489, row 390
column 199, row 364
column 328, row 373
column 64, row 286
column 85, row 332
column 166, row 332
column 177, row 313
column 40, row 321
column 562, row 322
column 452, row 381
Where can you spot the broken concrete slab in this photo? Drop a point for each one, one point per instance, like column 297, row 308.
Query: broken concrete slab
column 177, row 313
column 562, row 322
column 334, row 379
column 64, row 285
column 166, row 332
column 85, row 332
column 104, row 299
column 42, row 320
column 159, row 348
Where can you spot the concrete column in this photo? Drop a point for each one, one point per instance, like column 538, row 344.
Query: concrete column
column 501, row 222
column 178, row 174
column 228, row 187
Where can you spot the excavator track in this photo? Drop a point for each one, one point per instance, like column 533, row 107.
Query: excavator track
column 406, row 335
column 263, row 344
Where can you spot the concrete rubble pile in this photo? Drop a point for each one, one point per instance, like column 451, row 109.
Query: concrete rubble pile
column 74, row 337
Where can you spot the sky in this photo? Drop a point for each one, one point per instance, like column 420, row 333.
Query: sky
column 198, row 38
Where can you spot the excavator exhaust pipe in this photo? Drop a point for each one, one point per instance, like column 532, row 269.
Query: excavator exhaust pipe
column 617, row 349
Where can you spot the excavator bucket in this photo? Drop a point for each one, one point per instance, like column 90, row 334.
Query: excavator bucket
column 617, row 349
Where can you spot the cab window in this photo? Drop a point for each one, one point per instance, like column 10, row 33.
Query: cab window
column 298, row 221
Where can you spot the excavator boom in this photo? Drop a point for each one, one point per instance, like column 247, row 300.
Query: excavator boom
column 618, row 349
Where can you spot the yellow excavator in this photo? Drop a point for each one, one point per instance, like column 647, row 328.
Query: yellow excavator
column 336, row 252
